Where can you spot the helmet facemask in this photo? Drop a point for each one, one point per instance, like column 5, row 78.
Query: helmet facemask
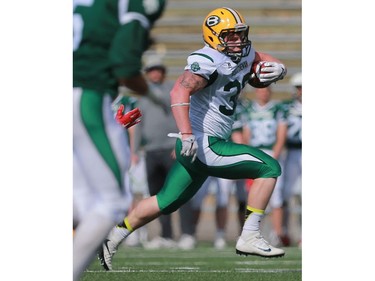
column 227, row 48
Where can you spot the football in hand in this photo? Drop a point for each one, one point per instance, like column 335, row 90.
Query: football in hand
column 256, row 70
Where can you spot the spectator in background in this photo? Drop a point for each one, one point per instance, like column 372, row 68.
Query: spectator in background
column 104, row 58
column 222, row 194
column 293, row 164
column 151, row 136
column 266, row 129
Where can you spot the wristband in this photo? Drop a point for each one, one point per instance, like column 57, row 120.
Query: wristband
column 180, row 104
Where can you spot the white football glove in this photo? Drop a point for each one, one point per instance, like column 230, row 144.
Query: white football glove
column 272, row 72
column 189, row 145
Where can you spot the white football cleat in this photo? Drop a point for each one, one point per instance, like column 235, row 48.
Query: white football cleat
column 187, row 242
column 159, row 243
column 109, row 247
column 253, row 243
column 220, row 243
column 106, row 253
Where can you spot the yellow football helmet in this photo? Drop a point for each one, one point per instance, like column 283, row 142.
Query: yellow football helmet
column 220, row 23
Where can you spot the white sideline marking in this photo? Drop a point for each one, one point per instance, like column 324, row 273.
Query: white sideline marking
column 273, row 270
column 193, row 269
column 265, row 262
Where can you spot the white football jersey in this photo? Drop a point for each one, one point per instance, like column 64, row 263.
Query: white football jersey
column 212, row 108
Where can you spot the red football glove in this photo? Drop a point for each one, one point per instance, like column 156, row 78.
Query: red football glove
column 128, row 119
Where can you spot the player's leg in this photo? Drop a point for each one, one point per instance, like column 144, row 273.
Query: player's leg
column 251, row 240
column 179, row 187
column 238, row 161
column 96, row 140
column 241, row 196
column 221, row 213
column 276, row 211
column 85, row 218
column 139, row 187
column 198, row 199
column 157, row 166
column 187, row 240
column 277, row 207
column 292, row 193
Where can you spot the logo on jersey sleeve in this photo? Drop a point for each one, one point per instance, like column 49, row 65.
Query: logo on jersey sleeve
column 195, row 67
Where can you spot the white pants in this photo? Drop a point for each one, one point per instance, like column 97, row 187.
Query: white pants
column 94, row 184
column 293, row 173
column 277, row 199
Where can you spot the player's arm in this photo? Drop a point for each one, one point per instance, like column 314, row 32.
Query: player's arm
column 281, row 132
column 126, row 59
column 128, row 119
column 134, row 142
column 280, row 139
column 246, row 134
column 237, row 137
column 185, row 86
column 136, row 84
column 259, row 56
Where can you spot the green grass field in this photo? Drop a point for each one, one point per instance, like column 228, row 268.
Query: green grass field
column 203, row 263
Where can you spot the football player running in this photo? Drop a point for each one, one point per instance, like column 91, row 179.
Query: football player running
column 203, row 102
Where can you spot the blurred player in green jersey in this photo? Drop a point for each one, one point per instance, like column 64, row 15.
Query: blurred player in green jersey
column 109, row 39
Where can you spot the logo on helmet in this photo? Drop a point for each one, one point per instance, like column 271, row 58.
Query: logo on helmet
column 212, row 21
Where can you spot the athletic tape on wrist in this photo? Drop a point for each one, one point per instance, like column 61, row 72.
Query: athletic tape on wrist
column 180, row 104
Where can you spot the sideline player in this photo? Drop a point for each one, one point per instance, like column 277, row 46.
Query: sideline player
column 293, row 161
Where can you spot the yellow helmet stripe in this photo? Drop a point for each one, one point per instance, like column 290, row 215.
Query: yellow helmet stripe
column 235, row 14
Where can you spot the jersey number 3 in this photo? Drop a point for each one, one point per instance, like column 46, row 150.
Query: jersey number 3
column 233, row 99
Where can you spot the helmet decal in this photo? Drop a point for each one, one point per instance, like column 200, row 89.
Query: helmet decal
column 235, row 14
column 212, row 21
